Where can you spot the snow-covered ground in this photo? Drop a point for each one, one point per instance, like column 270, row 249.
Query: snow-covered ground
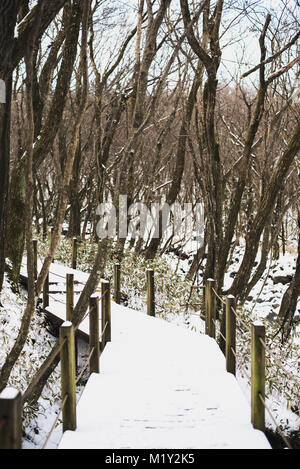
column 265, row 302
column 37, row 420
column 36, row 349
column 161, row 386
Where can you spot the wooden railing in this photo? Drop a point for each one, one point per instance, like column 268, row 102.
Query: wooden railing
column 11, row 400
column 227, row 336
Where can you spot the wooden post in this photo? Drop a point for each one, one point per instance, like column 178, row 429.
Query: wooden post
column 202, row 313
column 230, row 328
column 35, row 258
column 69, row 297
column 70, row 308
column 222, row 342
column 106, row 311
column 102, row 338
column 207, row 306
column 257, row 375
column 74, row 253
column 94, row 334
column 46, row 293
column 10, row 419
column 68, row 386
column 210, row 309
column 150, row 293
column 51, row 237
column 117, row 283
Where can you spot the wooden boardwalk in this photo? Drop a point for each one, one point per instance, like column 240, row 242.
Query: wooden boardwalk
column 159, row 386
column 56, row 311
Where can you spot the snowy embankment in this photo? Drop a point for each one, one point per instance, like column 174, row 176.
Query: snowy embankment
column 38, row 419
column 35, row 351
column 161, row 386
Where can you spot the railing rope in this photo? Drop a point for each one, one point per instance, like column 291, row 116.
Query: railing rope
column 87, row 363
column 55, row 421
column 274, row 421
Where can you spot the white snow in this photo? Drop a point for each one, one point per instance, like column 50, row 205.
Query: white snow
column 57, row 301
column 161, row 386
column 67, row 324
column 257, row 323
column 57, row 273
column 9, row 393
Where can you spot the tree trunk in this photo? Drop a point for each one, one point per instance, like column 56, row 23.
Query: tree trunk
column 8, row 19
column 290, row 298
column 75, row 213
column 196, row 263
column 43, row 144
column 4, row 172
column 180, row 158
column 15, row 234
column 34, row 293
column 265, row 208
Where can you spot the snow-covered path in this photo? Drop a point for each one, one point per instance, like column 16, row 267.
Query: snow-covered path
column 57, row 291
column 160, row 386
